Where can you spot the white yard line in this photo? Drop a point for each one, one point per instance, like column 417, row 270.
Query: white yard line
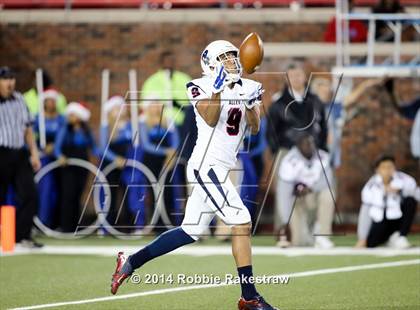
column 196, row 287
column 197, row 250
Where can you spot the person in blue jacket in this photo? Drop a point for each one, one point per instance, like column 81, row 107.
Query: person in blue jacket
column 160, row 140
column 252, row 163
column 47, row 186
column 74, row 140
column 117, row 146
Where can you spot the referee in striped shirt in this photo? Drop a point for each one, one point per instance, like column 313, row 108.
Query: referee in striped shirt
column 18, row 157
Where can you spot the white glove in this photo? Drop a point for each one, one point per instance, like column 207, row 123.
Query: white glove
column 220, row 81
column 254, row 98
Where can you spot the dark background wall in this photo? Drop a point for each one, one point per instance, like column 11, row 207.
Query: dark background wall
column 375, row 129
column 75, row 55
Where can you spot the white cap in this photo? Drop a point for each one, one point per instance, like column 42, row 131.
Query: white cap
column 111, row 103
column 79, row 110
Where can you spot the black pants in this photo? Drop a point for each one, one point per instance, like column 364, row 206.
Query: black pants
column 16, row 170
column 119, row 214
column 155, row 164
column 73, row 180
column 380, row 232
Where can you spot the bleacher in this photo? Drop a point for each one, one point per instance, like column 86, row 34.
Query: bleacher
column 79, row 4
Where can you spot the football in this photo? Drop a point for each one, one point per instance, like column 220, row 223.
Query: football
column 251, row 52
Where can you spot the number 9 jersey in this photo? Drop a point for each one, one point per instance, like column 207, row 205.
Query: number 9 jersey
column 219, row 145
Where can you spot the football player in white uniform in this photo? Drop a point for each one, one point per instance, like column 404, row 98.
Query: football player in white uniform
column 225, row 106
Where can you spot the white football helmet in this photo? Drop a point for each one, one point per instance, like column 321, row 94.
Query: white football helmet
column 219, row 52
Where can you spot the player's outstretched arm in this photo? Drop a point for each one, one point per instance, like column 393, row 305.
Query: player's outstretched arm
column 253, row 119
column 253, row 110
column 210, row 109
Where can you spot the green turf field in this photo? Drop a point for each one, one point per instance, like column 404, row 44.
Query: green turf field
column 43, row 279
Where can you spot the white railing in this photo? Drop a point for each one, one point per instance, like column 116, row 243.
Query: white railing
column 395, row 23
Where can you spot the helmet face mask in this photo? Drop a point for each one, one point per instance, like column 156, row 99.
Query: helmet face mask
column 230, row 61
column 225, row 53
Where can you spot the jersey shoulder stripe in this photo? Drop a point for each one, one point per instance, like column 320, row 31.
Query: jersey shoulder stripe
column 198, row 89
column 191, row 84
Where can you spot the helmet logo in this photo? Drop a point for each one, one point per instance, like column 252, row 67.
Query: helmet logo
column 205, row 58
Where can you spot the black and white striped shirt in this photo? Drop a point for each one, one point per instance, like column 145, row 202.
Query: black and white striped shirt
column 14, row 119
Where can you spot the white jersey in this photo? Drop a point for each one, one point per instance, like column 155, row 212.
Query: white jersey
column 378, row 201
column 220, row 145
column 295, row 168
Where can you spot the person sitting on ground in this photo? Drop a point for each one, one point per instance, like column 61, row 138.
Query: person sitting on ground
column 389, row 202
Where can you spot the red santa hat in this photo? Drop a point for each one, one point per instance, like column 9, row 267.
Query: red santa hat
column 79, row 109
column 50, row 93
